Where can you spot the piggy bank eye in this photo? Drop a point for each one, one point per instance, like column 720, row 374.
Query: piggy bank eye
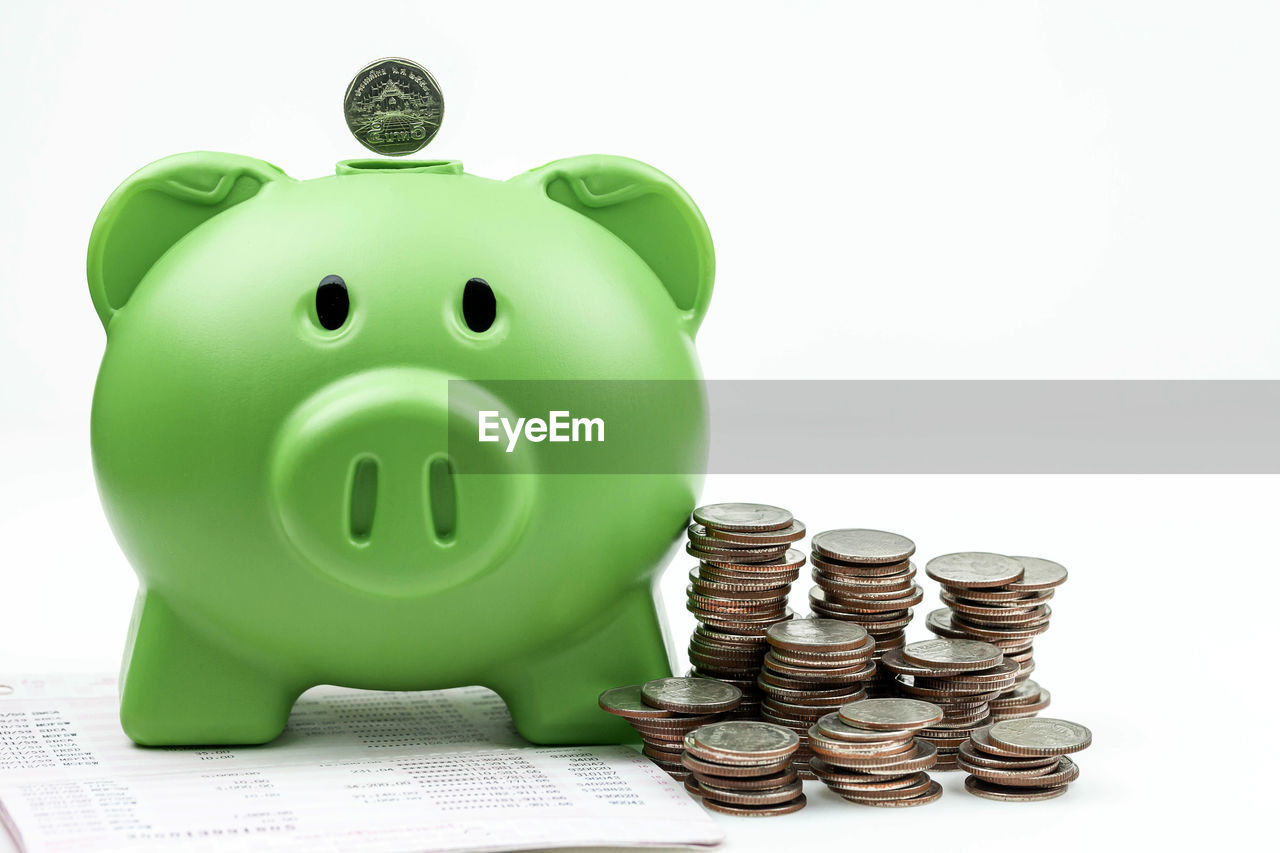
column 479, row 306
column 332, row 302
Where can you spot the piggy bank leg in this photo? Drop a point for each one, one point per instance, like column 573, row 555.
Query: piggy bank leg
column 178, row 688
column 553, row 694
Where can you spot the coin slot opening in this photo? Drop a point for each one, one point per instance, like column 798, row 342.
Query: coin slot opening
column 363, row 501
column 434, row 167
column 442, row 498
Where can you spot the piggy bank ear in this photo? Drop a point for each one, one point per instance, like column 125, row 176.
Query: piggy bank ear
column 646, row 210
column 154, row 208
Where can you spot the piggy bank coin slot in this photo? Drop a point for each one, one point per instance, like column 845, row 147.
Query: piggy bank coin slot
column 428, row 167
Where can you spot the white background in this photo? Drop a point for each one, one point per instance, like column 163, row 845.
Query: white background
column 923, row 190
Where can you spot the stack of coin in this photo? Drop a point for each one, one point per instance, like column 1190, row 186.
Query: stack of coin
column 1023, row 760
column 868, row 753
column 961, row 677
column 1003, row 601
column 812, row 668
column 664, row 710
column 739, row 588
column 866, row 577
column 743, row 767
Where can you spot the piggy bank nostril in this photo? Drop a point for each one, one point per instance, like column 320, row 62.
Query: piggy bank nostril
column 442, row 498
column 362, row 502
column 333, row 303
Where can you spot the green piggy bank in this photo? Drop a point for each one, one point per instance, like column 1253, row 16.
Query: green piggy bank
column 280, row 458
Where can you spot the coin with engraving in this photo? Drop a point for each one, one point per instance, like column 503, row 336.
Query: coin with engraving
column 974, row 569
column 857, row 545
column 810, row 634
column 890, row 714
column 393, row 106
column 742, row 742
column 948, row 654
column 626, row 702
column 742, row 517
column 1039, row 574
column 1039, row 736
column 1009, row 794
column 690, row 695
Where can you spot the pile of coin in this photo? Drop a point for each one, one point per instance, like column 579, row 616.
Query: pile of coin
column 959, row 676
column 813, row 667
column 1023, row 760
column 739, row 588
column 868, row 752
column 743, row 767
column 866, row 577
column 1003, row 601
column 664, row 710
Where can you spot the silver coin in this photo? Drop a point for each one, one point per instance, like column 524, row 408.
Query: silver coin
column 891, row 714
column 742, row 742
column 856, row 545
column 1039, row 574
column 1040, row 736
column 742, row 517
column 974, row 569
column 393, row 106
column 626, row 702
column 992, row 791
column 793, row 532
column 951, row 654
column 825, row 634
column 690, row 695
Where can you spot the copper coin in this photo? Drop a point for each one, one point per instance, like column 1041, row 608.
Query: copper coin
column 833, row 726
column 720, row 770
column 751, row 783
column 983, row 633
column 763, row 797
column 921, row 785
column 734, row 557
column 756, row 811
column 852, row 780
column 859, row 570
column 890, row 714
column 791, row 559
column 793, row 532
column 1009, row 794
column 933, row 793
column 1039, row 574
column 900, row 580
column 742, row 516
column 1026, row 693
column 973, row 755
column 1002, row 595
column 856, row 545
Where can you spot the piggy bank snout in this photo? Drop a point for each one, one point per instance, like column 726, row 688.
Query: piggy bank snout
column 370, row 481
